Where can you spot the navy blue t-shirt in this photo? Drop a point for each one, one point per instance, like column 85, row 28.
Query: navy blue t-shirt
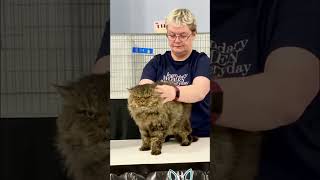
column 243, row 35
column 164, row 68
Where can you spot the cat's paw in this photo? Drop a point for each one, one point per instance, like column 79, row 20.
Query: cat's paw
column 156, row 152
column 185, row 143
column 144, row 148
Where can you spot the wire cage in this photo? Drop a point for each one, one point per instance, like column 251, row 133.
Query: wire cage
column 127, row 62
column 45, row 42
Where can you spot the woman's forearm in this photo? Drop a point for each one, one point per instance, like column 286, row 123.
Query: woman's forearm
column 102, row 65
column 274, row 98
column 195, row 92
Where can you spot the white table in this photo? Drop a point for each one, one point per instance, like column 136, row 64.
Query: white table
column 126, row 152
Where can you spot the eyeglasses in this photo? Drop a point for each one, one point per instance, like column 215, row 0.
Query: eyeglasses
column 182, row 37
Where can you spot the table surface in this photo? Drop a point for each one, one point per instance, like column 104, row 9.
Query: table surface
column 126, row 152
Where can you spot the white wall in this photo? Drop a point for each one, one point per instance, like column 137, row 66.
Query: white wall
column 137, row 16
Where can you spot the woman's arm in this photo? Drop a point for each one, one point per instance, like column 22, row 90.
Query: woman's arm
column 145, row 81
column 102, row 65
column 274, row 98
column 189, row 94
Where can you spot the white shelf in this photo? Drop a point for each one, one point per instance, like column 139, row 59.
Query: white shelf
column 126, row 152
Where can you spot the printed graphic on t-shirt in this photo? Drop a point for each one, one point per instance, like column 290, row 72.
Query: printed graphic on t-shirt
column 224, row 59
column 177, row 79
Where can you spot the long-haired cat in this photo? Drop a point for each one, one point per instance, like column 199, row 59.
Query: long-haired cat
column 157, row 120
column 83, row 130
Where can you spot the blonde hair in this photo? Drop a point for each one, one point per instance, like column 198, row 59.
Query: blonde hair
column 182, row 17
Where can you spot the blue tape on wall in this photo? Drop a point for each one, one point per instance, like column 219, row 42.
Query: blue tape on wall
column 142, row 50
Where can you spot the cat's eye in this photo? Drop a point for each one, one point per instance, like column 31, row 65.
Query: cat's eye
column 87, row 113
column 82, row 112
column 90, row 114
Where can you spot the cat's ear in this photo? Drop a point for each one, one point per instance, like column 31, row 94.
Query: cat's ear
column 130, row 90
column 64, row 91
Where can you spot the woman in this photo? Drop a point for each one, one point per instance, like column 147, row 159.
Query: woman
column 185, row 67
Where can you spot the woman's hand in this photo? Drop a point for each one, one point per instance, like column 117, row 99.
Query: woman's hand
column 167, row 92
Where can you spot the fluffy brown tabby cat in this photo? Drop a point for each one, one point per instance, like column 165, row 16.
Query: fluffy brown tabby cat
column 234, row 154
column 83, row 130
column 156, row 120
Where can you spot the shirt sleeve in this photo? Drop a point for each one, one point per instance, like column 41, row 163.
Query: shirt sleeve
column 150, row 70
column 203, row 66
column 105, row 42
column 293, row 24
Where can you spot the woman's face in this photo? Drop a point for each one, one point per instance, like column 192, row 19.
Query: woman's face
column 180, row 39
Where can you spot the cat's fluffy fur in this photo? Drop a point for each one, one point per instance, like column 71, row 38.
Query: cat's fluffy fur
column 157, row 120
column 83, row 130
